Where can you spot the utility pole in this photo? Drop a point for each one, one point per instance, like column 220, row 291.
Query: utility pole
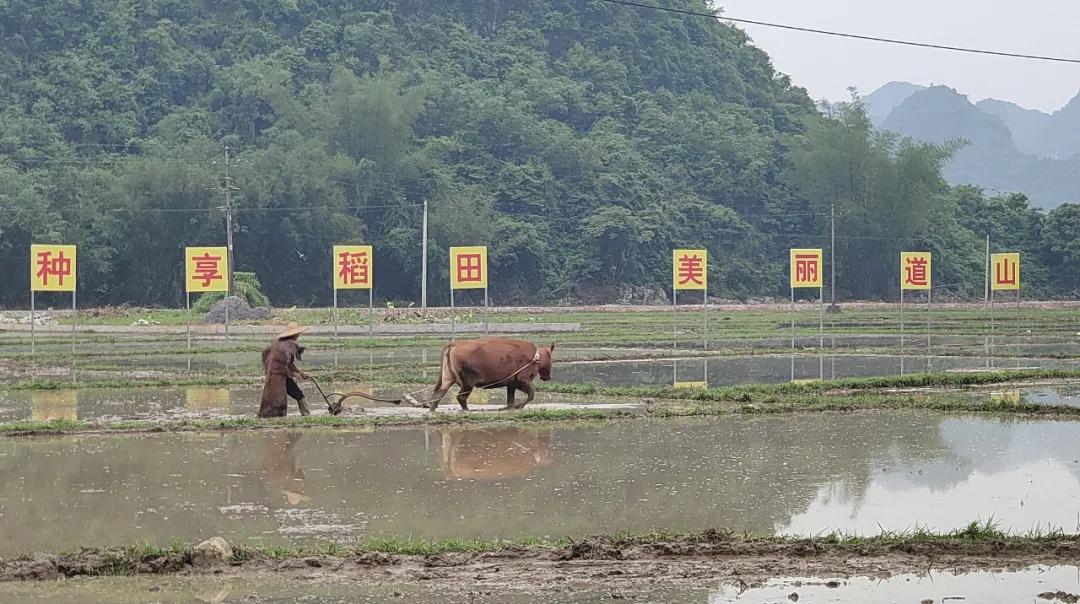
column 832, row 256
column 228, row 188
column 423, row 261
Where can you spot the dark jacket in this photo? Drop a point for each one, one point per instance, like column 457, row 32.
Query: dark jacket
column 279, row 364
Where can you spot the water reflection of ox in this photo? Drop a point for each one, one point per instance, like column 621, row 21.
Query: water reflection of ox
column 494, row 454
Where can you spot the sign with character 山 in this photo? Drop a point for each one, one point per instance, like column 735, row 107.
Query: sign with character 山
column 207, row 269
column 353, row 267
column 468, row 267
column 689, row 269
column 806, row 268
column 53, row 268
column 1005, row 272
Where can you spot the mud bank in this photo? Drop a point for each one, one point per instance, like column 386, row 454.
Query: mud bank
column 622, row 563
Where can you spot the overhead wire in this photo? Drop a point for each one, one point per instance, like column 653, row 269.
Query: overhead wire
column 839, row 34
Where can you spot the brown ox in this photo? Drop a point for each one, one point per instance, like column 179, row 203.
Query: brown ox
column 493, row 362
column 493, row 454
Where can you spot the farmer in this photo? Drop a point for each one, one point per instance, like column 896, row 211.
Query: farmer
column 279, row 366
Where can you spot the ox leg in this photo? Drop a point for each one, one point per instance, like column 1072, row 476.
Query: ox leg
column 510, row 390
column 530, row 391
column 436, row 397
column 463, row 397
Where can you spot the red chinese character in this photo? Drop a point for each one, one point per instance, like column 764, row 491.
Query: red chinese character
column 206, row 268
column 469, row 269
column 1005, row 272
column 915, row 271
column 58, row 267
column 690, row 270
column 354, row 268
column 806, row 268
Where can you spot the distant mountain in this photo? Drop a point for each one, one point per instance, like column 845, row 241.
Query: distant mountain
column 991, row 159
column 1025, row 124
column 939, row 113
column 881, row 102
column 1060, row 136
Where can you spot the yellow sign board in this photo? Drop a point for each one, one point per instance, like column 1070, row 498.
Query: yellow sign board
column 806, row 268
column 1005, row 272
column 689, row 269
column 691, row 385
column 49, row 405
column 915, row 270
column 52, row 268
column 207, row 269
column 468, row 267
column 353, row 266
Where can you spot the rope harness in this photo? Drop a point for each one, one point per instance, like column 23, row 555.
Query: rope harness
column 408, row 396
column 334, row 407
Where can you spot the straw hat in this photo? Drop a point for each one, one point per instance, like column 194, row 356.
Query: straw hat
column 293, row 329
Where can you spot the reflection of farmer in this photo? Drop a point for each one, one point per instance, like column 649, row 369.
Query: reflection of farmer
column 280, row 468
column 279, row 365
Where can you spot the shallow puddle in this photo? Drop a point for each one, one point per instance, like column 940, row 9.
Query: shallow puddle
column 796, row 474
column 1034, row 584
column 735, row 370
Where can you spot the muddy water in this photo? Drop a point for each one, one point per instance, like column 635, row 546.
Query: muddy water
column 202, row 402
column 727, row 371
column 976, row 587
column 179, row 590
column 795, row 474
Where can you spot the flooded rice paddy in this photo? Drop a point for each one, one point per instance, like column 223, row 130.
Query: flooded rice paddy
column 1034, row 584
column 795, row 475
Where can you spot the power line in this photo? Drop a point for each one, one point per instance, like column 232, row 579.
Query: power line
column 826, row 32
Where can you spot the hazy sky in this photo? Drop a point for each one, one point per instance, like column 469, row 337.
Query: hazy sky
column 826, row 66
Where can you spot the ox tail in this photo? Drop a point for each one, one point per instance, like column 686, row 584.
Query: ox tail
column 447, row 375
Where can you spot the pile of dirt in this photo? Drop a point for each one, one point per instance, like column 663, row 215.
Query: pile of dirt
column 239, row 310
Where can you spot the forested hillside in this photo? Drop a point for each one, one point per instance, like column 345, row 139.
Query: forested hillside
column 579, row 139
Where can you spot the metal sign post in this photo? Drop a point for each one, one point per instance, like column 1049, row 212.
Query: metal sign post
column 821, row 331
column 793, row 334
column 33, row 320
column 916, row 273
column 689, row 271
column 1005, row 277
column 468, row 270
column 335, row 315
column 705, row 309
column 805, row 272
column 929, row 331
column 1018, row 328
column 674, row 319
column 901, row 331
column 371, row 312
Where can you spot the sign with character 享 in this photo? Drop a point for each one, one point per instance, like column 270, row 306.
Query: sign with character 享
column 206, row 270
column 354, row 269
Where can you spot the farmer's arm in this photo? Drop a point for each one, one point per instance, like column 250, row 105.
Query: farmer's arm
column 294, row 369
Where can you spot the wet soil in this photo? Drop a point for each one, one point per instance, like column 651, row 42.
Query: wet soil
column 635, row 564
